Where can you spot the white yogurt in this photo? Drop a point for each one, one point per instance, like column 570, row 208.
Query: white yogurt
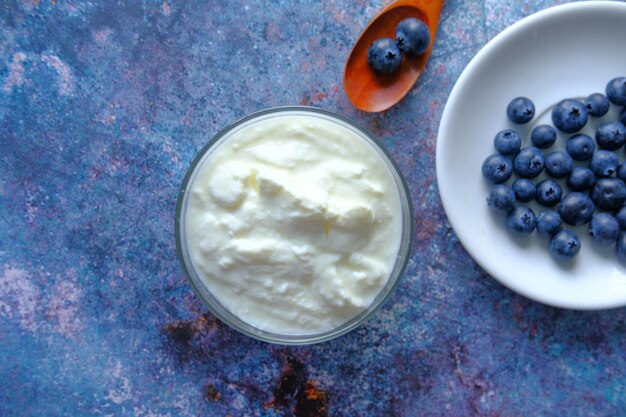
column 294, row 223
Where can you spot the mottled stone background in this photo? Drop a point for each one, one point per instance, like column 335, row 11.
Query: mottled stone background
column 103, row 104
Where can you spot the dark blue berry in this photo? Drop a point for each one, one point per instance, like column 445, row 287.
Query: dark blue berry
column 384, row 56
column 611, row 135
column 616, row 91
column 507, row 142
column 548, row 223
column 575, row 208
column 529, row 162
column 604, row 163
column 621, row 172
column 580, row 147
column 622, row 116
column 581, row 179
column 559, row 164
column 521, row 221
column 412, row 36
column 569, row 115
column 520, row 110
column 564, row 245
column 603, row 228
column 609, row 193
column 620, row 248
column 524, row 189
column 497, row 168
column 620, row 216
column 543, row 136
column 548, row 193
column 501, row 198
column 597, row 105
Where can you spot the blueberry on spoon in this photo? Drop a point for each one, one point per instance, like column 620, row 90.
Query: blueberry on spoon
column 412, row 36
column 384, row 56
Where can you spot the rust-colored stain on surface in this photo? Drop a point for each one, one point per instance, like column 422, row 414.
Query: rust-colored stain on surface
column 180, row 332
column 211, row 393
column 296, row 392
column 183, row 331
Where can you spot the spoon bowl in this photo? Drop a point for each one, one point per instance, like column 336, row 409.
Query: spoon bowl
column 373, row 92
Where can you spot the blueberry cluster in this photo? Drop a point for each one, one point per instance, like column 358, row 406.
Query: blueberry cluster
column 595, row 192
column 412, row 37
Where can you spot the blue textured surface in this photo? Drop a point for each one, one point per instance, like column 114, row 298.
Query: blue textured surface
column 103, row 106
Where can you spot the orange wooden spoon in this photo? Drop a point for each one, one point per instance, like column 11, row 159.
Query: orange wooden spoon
column 373, row 92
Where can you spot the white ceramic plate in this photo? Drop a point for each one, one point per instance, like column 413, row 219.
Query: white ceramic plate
column 565, row 51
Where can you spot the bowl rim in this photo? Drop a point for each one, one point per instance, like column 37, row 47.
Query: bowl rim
column 446, row 195
column 402, row 258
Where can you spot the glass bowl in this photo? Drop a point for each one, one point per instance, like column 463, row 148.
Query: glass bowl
column 213, row 303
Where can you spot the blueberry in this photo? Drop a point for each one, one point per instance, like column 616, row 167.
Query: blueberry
column 548, row 223
column 529, row 162
column 569, row 115
column 548, row 193
column 575, row 208
column 521, row 221
column 616, row 91
column 543, row 136
column 501, row 198
column 520, row 110
column 604, row 163
column 524, row 189
column 620, row 216
column 609, row 193
column 622, row 116
column 559, row 164
column 412, row 36
column 620, row 248
column 597, row 105
column 603, row 228
column 564, row 245
column 507, row 142
column 580, row 147
column 581, row 179
column 611, row 135
column 497, row 168
column 621, row 171
column 384, row 56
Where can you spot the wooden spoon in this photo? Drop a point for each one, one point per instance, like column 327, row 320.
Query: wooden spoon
column 373, row 92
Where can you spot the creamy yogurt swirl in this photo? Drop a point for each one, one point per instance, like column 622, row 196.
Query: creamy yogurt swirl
column 294, row 223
